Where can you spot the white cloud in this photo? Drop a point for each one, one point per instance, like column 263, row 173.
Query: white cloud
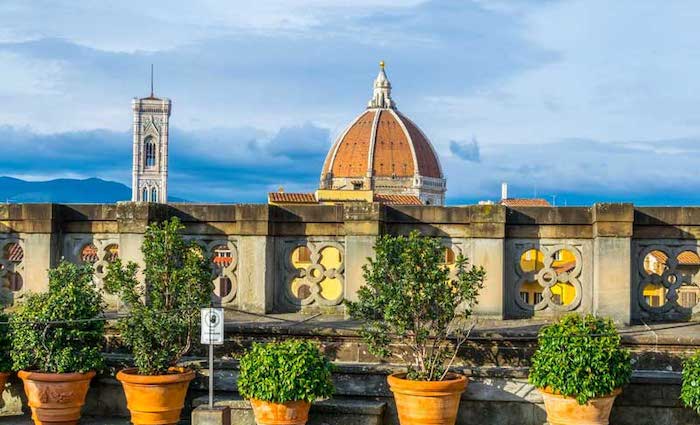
column 621, row 70
column 135, row 25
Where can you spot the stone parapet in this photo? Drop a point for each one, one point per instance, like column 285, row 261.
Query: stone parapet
column 607, row 246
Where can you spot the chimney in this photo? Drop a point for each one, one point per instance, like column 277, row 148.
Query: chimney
column 504, row 191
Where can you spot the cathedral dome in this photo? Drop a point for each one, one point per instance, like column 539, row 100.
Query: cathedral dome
column 383, row 150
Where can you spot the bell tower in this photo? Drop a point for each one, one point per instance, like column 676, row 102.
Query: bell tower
column 149, row 181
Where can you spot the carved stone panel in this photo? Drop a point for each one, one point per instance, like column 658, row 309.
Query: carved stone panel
column 666, row 280
column 548, row 277
column 97, row 250
column 222, row 253
column 310, row 272
column 11, row 269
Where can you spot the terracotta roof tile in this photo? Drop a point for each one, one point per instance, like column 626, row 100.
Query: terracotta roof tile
column 392, row 156
column 524, row 202
column 397, row 199
column 351, row 157
column 292, row 198
column 428, row 165
column 392, row 153
column 565, row 267
column 14, row 253
column 686, row 258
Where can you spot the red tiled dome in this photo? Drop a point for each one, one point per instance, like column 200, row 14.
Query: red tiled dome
column 385, row 152
column 382, row 142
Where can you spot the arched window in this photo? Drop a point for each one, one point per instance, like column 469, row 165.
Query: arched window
column 144, row 195
column 150, row 150
column 154, row 195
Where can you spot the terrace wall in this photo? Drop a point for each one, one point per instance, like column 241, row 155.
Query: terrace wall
column 606, row 246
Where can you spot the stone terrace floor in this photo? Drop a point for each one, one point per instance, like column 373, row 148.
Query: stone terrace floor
column 669, row 333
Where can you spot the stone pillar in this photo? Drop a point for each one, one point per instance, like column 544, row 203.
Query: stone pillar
column 132, row 220
column 612, row 244
column 37, row 230
column 487, row 230
column 255, row 259
column 255, row 274
column 363, row 223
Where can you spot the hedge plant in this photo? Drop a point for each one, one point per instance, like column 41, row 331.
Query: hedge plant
column 580, row 357
column 5, row 344
column 164, row 312
column 279, row 372
column 414, row 297
column 690, row 389
column 42, row 343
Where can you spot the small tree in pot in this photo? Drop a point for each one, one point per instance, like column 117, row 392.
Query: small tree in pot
column 57, row 341
column 163, row 320
column 281, row 380
column 690, row 389
column 412, row 296
column 580, row 367
column 5, row 349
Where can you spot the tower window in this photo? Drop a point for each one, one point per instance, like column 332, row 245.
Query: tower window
column 150, row 148
column 144, row 195
column 154, row 195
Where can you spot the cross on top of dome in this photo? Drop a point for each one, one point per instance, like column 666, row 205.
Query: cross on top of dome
column 381, row 96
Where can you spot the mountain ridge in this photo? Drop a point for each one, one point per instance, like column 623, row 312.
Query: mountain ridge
column 92, row 190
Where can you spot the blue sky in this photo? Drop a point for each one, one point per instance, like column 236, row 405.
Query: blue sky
column 586, row 100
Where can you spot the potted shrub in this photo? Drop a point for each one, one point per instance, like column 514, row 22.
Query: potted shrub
column 163, row 320
column 690, row 388
column 580, row 367
column 282, row 379
column 57, row 339
column 5, row 349
column 411, row 294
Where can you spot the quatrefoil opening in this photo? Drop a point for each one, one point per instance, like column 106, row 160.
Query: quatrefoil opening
column 317, row 275
column 670, row 279
column 548, row 278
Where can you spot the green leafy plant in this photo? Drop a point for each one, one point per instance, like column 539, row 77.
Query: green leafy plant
column 164, row 311
column 285, row 371
column 580, row 357
column 5, row 344
column 690, row 388
column 42, row 341
column 412, row 295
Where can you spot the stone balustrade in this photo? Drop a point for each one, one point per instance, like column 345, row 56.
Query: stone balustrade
column 631, row 263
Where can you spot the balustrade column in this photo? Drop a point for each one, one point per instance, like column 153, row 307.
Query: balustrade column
column 612, row 242
column 487, row 231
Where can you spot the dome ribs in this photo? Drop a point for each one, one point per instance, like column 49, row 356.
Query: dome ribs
column 392, row 154
column 351, row 156
column 428, row 164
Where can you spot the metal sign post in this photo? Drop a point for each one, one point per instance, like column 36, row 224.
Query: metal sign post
column 212, row 334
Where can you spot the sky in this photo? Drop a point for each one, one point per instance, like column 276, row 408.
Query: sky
column 574, row 101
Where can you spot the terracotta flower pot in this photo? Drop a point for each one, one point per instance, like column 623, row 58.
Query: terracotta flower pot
column 155, row 399
column 56, row 398
column 562, row 410
column 289, row 413
column 4, row 376
column 427, row 402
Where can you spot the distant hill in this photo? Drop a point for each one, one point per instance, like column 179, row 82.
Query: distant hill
column 66, row 191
